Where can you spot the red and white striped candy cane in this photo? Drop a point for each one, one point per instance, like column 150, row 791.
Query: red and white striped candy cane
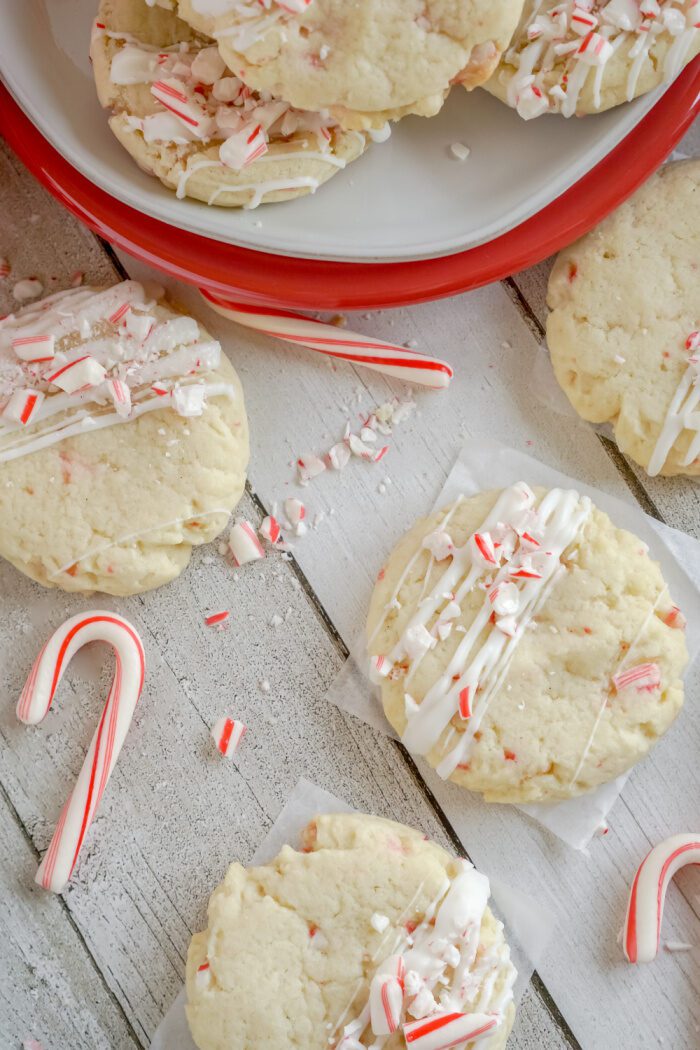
column 326, row 339
column 645, row 908
column 37, row 696
column 447, row 1030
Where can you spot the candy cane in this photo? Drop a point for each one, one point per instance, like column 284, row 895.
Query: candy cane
column 37, row 696
column 326, row 339
column 645, row 908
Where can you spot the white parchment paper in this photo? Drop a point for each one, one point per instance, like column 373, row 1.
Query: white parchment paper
column 528, row 926
column 485, row 464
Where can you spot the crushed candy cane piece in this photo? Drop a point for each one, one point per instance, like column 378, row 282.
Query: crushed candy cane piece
column 675, row 618
column 505, row 599
column 379, row 922
column 439, row 543
column 189, row 400
column 120, row 395
column 243, row 147
column 28, row 288
column 203, row 976
column 23, row 406
column 386, row 1004
column 459, row 151
column 270, row 529
column 217, row 618
column 482, row 548
column 227, row 734
column 465, row 707
column 5, row 268
column 338, row 456
column 77, row 375
column 445, row 1030
column 34, row 348
column 643, row 677
column 309, row 467
column 244, row 544
column 418, row 641
column 295, row 512
column 379, row 667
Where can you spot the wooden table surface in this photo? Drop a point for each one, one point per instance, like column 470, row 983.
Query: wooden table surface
column 98, row 966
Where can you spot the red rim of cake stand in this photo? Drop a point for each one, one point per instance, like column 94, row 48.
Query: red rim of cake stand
column 265, row 279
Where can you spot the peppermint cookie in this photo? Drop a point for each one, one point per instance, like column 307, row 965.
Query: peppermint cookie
column 624, row 328
column 123, row 440
column 527, row 647
column 585, row 56
column 366, row 62
column 371, row 936
column 186, row 119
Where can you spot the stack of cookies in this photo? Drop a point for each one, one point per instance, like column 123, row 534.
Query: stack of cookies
column 243, row 102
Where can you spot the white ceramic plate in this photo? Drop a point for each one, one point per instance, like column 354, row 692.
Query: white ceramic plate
column 405, row 199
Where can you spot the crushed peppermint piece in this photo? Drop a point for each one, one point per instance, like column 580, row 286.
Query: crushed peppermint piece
column 643, row 678
column 23, row 406
column 459, row 151
column 677, row 946
column 270, row 529
column 276, row 620
column 309, row 467
column 227, row 734
column 379, row 922
column 244, row 544
column 5, row 268
column 295, row 512
column 215, row 619
column 28, row 288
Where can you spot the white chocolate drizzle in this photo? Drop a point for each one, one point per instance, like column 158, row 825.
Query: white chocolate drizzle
column 446, row 965
column 526, row 544
column 157, row 359
column 683, row 414
column 580, row 37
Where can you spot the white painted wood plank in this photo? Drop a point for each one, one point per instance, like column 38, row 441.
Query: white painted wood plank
column 174, row 814
column 50, row 988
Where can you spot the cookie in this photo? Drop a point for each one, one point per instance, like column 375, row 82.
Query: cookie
column 366, row 62
column 187, row 120
column 123, row 440
column 369, row 933
column 623, row 328
column 574, row 58
column 527, row 647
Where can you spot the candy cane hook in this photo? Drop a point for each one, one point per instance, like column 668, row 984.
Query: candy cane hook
column 376, row 354
column 645, row 908
column 37, row 696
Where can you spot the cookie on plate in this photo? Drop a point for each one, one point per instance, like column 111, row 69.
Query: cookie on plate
column 367, row 62
column 186, row 119
column 123, row 440
column 625, row 314
column 382, row 933
column 527, row 647
column 580, row 58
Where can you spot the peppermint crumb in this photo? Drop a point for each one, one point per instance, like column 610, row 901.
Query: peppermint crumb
column 619, row 359
column 264, row 686
column 677, row 946
column 459, row 151
column 276, row 620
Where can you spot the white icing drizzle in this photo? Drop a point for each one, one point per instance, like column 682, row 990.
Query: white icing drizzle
column 581, row 36
column 529, row 544
column 224, row 112
column 132, row 537
column 449, row 966
column 627, row 658
column 683, row 414
column 169, row 352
